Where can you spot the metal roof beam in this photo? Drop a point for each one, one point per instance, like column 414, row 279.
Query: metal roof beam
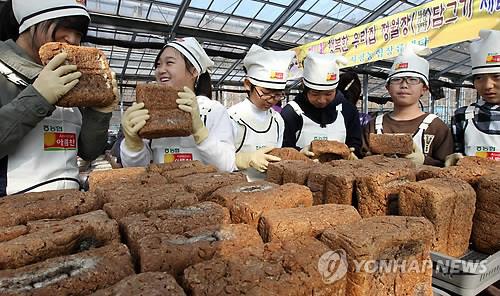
column 179, row 16
column 280, row 21
column 225, row 75
column 380, row 11
column 157, row 45
column 152, row 27
column 451, row 67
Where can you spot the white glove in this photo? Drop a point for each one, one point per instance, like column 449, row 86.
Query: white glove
column 306, row 151
column 417, row 156
column 133, row 120
column 452, row 159
column 352, row 155
column 188, row 102
column 112, row 106
column 256, row 159
column 56, row 79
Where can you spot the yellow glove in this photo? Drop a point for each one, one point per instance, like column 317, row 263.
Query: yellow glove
column 133, row 120
column 256, row 159
column 188, row 102
column 417, row 156
column 112, row 106
column 352, row 155
column 306, row 151
column 452, row 159
column 56, row 79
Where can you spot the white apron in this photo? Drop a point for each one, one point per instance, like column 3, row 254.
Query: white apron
column 253, row 135
column 312, row 131
column 422, row 141
column 478, row 143
column 166, row 150
column 46, row 157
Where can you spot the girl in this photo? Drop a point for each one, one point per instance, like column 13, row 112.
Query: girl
column 31, row 157
column 182, row 64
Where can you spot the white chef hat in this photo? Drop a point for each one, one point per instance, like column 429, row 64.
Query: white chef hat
column 321, row 71
column 485, row 52
column 268, row 68
column 192, row 50
column 410, row 63
column 29, row 13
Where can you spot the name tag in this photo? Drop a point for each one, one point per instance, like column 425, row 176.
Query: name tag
column 171, row 157
column 59, row 141
column 489, row 155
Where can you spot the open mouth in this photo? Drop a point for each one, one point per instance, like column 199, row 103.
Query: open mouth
column 164, row 79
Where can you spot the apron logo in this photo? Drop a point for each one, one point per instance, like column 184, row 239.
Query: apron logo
column 59, row 141
column 173, row 155
column 82, row 2
column 427, row 143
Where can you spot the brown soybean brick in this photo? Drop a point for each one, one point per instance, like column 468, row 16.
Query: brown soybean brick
column 316, row 181
column 423, row 172
column 11, row 232
column 469, row 174
column 175, row 221
column 288, row 224
column 248, row 209
column 144, row 284
column 114, row 177
column 172, row 176
column 296, row 171
column 227, row 194
column 159, row 200
column 390, row 144
column 274, row 173
column 142, row 191
column 340, row 183
column 78, row 274
column 449, row 204
column 47, row 239
column 166, row 120
column 288, row 154
column 19, row 209
column 160, row 168
column 478, row 161
column 377, row 190
column 398, row 249
column 173, row 253
column 326, row 150
column 278, row 268
column 104, row 229
column 204, row 184
column 485, row 231
column 95, row 85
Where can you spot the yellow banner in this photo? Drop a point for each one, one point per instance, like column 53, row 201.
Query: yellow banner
column 435, row 24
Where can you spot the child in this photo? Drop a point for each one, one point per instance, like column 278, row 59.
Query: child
column 408, row 80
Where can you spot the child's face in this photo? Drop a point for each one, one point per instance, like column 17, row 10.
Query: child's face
column 171, row 70
column 321, row 98
column 406, row 91
column 488, row 87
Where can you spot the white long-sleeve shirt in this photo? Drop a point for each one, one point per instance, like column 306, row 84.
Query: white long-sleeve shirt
column 217, row 149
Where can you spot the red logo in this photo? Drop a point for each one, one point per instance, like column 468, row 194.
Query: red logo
column 493, row 58
column 276, row 75
column 331, row 77
column 402, row 66
column 82, row 2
